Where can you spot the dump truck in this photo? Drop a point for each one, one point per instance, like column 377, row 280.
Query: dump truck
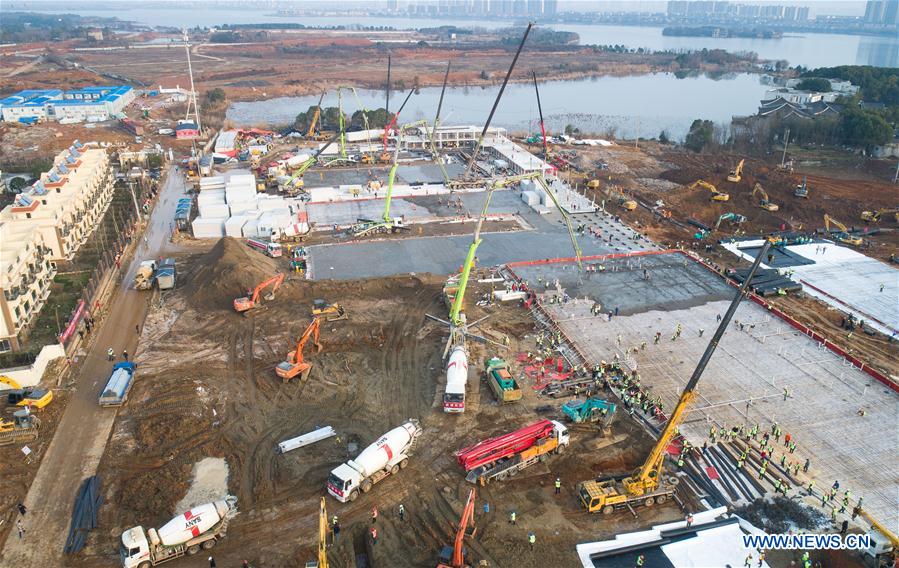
column 145, row 276
column 501, row 381
column 119, row 384
column 504, row 456
column 387, row 456
column 184, row 535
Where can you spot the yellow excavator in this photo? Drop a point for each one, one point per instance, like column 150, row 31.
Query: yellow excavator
column 764, row 202
column 323, row 529
column 27, row 396
column 842, row 234
column 716, row 195
column 874, row 216
column 737, row 173
column 645, row 486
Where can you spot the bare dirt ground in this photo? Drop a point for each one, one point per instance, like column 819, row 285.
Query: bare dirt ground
column 206, row 387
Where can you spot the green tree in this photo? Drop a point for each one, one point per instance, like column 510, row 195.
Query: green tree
column 663, row 137
column 16, row 184
column 700, row 135
column 215, row 95
column 817, row 84
column 860, row 127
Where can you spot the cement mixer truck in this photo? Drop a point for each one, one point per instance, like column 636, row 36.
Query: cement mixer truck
column 186, row 534
column 385, row 457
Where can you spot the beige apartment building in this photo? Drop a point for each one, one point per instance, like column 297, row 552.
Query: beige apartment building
column 48, row 222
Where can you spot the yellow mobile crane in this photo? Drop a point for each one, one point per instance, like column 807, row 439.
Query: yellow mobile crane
column 716, row 195
column 764, row 203
column 737, row 173
column 645, row 486
column 842, row 235
column 880, row 550
column 315, row 116
column 293, row 185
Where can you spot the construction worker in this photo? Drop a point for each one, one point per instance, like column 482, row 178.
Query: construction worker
column 762, row 472
column 748, row 562
column 512, row 517
column 761, row 559
column 532, row 539
column 680, row 461
column 110, row 354
column 807, row 464
column 374, row 515
column 811, row 486
column 776, row 485
column 558, row 486
column 402, row 511
column 792, row 447
column 788, row 437
column 641, row 560
column 805, row 556
column 783, row 460
column 374, row 536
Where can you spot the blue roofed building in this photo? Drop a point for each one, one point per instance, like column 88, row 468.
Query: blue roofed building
column 88, row 104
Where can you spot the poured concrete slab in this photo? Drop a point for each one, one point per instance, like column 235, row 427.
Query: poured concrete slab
column 348, row 212
column 758, row 357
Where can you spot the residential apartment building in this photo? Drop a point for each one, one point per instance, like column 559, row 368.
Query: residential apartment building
column 46, row 223
column 25, row 275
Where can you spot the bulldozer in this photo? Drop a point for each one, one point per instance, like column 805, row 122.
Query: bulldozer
column 24, row 427
column 764, row 202
column 716, row 195
column 737, row 173
column 331, row 312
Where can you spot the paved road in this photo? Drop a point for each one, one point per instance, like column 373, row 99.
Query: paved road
column 443, row 255
column 82, row 434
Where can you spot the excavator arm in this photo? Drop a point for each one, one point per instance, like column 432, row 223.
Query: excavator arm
column 315, row 117
column 311, row 331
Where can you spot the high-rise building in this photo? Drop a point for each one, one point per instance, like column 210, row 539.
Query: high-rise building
column 520, row 7
column 790, row 12
column 802, row 14
column 890, row 12
column 535, row 7
column 874, row 11
column 677, row 8
column 550, row 7
column 392, row 5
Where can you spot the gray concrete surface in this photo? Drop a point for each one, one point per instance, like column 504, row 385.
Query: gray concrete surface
column 757, row 358
column 444, row 255
column 674, row 282
column 84, row 429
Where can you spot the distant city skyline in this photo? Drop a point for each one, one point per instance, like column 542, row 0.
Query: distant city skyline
column 816, row 7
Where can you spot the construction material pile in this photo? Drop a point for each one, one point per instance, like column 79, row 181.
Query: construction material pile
column 225, row 272
column 84, row 516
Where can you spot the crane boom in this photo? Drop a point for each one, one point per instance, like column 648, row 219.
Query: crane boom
column 393, row 120
column 310, row 162
column 644, row 484
column 446, row 178
column 577, row 249
column 322, row 535
column 499, row 96
column 542, row 126
column 341, row 124
column 650, row 472
column 315, row 116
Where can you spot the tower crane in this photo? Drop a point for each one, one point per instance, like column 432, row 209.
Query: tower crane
column 736, row 174
column 542, row 125
column 295, row 363
column 716, row 195
column 842, row 234
column 434, row 150
column 456, row 555
column 764, row 202
column 645, row 486
column 244, row 304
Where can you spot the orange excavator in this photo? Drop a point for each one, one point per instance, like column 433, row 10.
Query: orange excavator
column 246, row 303
column 455, row 557
column 295, row 364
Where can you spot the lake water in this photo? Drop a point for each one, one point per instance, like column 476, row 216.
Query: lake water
column 646, row 104
column 808, row 49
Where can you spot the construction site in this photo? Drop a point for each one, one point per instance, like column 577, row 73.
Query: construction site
column 431, row 344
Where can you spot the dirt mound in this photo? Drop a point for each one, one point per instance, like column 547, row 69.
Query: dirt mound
column 225, row 272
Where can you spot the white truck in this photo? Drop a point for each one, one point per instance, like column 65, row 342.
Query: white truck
column 186, row 534
column 385, row 457
column 145, row 276
column 456, row 380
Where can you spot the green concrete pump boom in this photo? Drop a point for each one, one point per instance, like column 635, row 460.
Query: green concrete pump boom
column 311, row 161
column 342, row 124
column 446, row 178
